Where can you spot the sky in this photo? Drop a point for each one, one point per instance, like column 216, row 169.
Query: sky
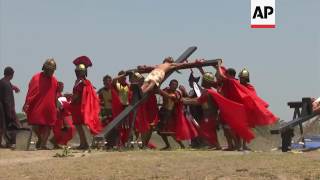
column 283, row 62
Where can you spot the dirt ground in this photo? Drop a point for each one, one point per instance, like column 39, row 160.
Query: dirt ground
column 265, row 162
column 148, row 164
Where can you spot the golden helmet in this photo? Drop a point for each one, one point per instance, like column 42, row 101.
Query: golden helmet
column 50, row 64
column 80, row 67
column 208, row 76
column 244, row 73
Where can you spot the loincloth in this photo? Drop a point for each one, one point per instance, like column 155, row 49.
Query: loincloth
column 157, row 76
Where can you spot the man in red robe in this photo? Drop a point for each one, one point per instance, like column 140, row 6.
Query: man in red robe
column 209, row 120
column 110, row 108
column 85, row 102
column 231, row 138
column 40, row 103
column 64, row 130
column 256, row 108
column 245, row 81
column 172, row 119
column 230, row 113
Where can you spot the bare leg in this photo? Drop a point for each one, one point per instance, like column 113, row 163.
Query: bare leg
column 166, row 141
column 244, row 145
column 147, row 86
column 180, row 143
column 1, row 134
column 146, row 137
column 36, row 129
column 82, row 137
column 44, row 137
column 227, row 134
column 237, row 142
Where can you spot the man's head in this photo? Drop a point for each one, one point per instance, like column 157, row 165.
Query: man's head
column 173, row 85
column 123, row 79
column 168, row 60
column 231, row 72
column 60, row 86
column 49, row 66
column 107, row 81
column 207, row 80
column 244, row 76
column 8, row 72
column 81, row 71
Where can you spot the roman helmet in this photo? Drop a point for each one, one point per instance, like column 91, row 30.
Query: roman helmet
column 244, row 73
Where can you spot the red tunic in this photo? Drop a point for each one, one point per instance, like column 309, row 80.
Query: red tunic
column 41, row 99
column 86, row 110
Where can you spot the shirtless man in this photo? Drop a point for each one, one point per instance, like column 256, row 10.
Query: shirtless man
column 157, row 75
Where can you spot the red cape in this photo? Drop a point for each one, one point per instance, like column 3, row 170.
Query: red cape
column 250, row 88
column 41, row 99
column 185, row 130
column 117, row 107
column 256, row 108
column 147, row 113
column 234, row 115
column 90, row 108
column 207, row 130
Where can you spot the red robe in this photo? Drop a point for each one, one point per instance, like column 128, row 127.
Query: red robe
column 256, row 108
column 86, row 110
column 41, row 99
column 147, row 113
column 62, row 137
column 233, row 114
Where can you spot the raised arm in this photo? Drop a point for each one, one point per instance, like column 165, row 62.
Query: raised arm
column 115, row 79
column 190, row 101
column 219, row 71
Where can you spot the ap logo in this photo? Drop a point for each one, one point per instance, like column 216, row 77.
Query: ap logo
column 263, row 14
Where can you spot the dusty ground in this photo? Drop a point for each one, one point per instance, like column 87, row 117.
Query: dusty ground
column 178, row 164
column 264, row 163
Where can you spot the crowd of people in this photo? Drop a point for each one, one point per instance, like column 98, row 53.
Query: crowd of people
column 221, row 101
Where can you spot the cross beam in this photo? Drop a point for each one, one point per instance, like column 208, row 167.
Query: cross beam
column 134, row 104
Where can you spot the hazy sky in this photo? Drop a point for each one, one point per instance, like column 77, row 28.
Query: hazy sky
column 283, row 62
